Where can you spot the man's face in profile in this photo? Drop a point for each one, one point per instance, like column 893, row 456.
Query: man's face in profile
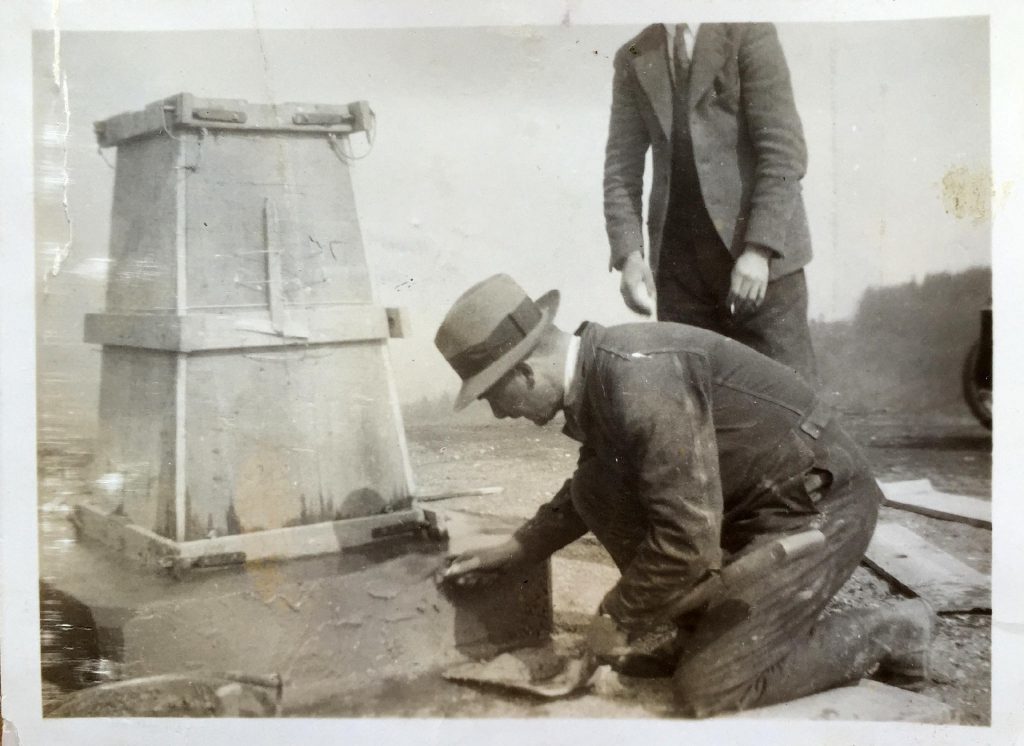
column 520, row 394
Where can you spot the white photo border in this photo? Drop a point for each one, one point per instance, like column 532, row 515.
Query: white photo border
column 18, row 519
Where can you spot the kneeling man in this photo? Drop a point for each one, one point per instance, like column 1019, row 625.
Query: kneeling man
column 694, row 449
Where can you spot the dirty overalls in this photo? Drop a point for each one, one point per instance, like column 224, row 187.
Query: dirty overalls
column 694, row 446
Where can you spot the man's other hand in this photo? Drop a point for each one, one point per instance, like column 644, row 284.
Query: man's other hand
column 606, row 640
column 749, row 282
column 479, row 567
column 637, row 284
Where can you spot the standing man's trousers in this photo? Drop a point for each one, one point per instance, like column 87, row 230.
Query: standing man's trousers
column 693, row 280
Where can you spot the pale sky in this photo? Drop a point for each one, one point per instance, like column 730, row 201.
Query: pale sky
column 489, row 153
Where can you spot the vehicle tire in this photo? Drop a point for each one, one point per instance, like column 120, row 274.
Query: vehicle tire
column 978, row 396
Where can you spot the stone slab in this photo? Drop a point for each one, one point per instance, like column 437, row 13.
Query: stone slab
column 866, row 700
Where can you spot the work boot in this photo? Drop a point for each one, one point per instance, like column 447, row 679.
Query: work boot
column 654, row 655
column 904, row 630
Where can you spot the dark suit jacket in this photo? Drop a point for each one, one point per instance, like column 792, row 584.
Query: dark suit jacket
column 747, row 140
column 711, row 441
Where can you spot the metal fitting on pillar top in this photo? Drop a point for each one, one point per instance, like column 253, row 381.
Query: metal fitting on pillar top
column 185, row 111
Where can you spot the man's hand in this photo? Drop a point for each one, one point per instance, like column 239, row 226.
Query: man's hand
column 606, row 640
column 483, row 566
column 637, row 284
column 749, row 282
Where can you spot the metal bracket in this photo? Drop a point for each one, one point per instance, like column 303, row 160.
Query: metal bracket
column 320, row 118
column 219, row 115
column 179, row 567
column 363, row 116
column 431, row 525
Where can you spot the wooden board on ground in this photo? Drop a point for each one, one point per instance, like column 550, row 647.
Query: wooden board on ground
column 867, row 700
column 919, row 496
column 915, row 565
column 427, row 497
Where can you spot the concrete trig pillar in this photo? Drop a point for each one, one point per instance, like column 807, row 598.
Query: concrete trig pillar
column 245, row 377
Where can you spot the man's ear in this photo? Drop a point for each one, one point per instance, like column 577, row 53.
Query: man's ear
column 526, row 371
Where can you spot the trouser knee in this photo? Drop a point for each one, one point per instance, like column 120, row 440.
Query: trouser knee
column 699, row 693
column 694, row 700
column 688, row 703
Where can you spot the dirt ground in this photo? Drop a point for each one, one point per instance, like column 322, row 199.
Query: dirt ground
column 951, row 450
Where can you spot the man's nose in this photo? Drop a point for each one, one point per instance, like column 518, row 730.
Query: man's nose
column 497, row 411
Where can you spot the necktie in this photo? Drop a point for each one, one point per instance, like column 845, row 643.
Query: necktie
column 679, row 56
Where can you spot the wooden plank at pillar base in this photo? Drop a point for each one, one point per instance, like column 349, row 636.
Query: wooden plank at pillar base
column 121, row 535
column 118, row 533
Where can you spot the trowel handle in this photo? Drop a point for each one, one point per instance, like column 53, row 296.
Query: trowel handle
column 756, row 563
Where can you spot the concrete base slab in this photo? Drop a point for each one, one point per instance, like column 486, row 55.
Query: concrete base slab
column 328, row 625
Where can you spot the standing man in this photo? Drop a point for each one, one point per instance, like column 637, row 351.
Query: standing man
column 693, row 448
column 727, row 226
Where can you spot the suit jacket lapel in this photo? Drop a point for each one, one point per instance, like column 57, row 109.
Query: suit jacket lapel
column 651, row 64
column 710, row 49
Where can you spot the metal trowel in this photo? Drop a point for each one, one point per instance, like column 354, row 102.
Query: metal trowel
column 541, row 671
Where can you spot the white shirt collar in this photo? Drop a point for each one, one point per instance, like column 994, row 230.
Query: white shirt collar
column 571, row 356
column 689, row 37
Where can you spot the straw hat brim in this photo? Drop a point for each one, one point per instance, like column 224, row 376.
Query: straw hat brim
column 478, row 385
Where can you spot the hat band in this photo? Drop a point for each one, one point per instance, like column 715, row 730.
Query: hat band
column 509, row 332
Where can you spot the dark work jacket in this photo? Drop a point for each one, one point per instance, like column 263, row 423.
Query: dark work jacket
column 709, row 445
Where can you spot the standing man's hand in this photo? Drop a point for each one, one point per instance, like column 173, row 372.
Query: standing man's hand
column 637, row 284
column 749, row 282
